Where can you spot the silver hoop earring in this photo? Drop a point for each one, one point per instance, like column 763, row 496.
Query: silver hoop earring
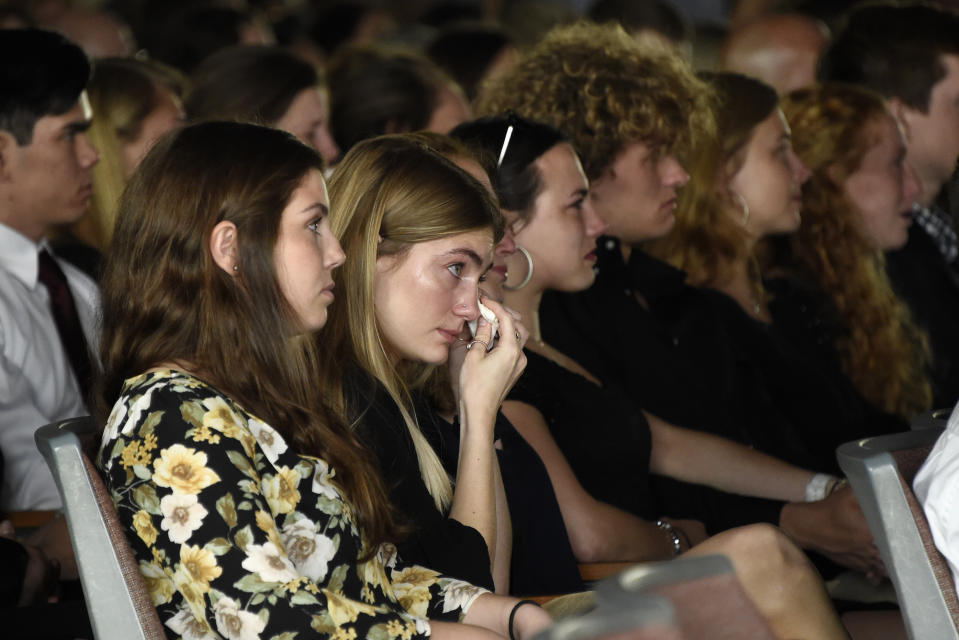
column 529, row 273
column 743, row 205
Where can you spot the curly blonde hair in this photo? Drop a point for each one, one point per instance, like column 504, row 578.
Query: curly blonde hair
column 604, row 90
column 883, row 352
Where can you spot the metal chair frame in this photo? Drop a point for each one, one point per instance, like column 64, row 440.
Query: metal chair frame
column 884, row 492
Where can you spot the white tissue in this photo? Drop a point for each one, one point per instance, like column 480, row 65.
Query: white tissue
column 490, row 317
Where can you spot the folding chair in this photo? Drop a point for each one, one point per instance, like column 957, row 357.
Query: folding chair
column 881, row 471
column 708, row 600
column 935, row 419
column 117, row 598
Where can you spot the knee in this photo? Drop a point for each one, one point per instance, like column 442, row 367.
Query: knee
column 762, row 540
column 764, row 547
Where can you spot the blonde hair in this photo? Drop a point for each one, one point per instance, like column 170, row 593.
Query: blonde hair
column 122, row 92
column 882, row 351
column 605, row 91
column 389, row 193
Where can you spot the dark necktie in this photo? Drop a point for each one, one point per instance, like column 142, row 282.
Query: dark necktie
column 67, row 320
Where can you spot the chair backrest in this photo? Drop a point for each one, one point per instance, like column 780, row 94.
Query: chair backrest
column 117, row 598
column 708, row 600
column 881, row 471
column 644, row 618
column 935, row 419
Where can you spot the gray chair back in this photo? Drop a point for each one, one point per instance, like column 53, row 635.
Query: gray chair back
column 935, row 419
column 645, row 618
column 708, row 600
column 117, row 598
column 881, row 471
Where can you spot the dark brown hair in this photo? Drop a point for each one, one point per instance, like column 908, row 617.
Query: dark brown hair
column 248, row 84
column 165, row 299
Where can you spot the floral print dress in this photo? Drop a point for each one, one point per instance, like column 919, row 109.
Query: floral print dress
column 239, row 537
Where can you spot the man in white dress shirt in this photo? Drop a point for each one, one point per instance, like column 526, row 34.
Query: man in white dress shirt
column 45, row 180
column 937, row 488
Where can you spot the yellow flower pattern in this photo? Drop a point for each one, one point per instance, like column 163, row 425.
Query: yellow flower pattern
column 192, row 441
column 138, row 453
column 281, row 490
column 144, row 527
column 183, row 469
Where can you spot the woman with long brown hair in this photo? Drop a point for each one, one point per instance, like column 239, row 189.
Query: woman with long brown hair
column 836, row 297
column 746, row 188
column 251, row 507
column 264, row 85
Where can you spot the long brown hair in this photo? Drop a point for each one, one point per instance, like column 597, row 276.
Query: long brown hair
column 389, row 193
column 165, row 299
column 706, row 240
column 883, row 352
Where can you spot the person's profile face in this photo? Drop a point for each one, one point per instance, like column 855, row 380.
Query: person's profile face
column 769, row 180
column 883, row 186
column 560, row 234
column 306, row 253
column 933, row 135
column 637, row 194
column 166, row 115
column 308, row 118
column 424, row 296
column 492, row 284
column 50, row 179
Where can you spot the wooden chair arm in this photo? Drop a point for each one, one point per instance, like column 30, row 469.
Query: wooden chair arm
column 593, row 571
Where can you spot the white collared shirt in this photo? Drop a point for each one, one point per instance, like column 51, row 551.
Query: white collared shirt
column 37, row 384
column 937, row 488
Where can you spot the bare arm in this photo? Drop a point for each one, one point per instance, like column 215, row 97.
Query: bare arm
column 492, row 612
column 597, row 531
column 504, row 535
column 702, row 458
column 474, row 499
column 481, row 381
column 834, row 526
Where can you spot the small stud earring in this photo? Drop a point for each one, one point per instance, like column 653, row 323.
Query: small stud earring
column 236, row 267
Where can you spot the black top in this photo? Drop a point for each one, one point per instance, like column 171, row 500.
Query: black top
column 606, row 440
column 689, row 356
column 696, row 359
column 805, row 316
column 930, row 288
column 542, row 561
column 600, row 432
column 671, row 355
column 437, row 541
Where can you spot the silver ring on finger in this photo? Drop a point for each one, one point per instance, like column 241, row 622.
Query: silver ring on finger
column 477, row 341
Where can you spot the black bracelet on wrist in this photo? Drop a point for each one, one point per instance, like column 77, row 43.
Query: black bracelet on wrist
column 512, row 616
